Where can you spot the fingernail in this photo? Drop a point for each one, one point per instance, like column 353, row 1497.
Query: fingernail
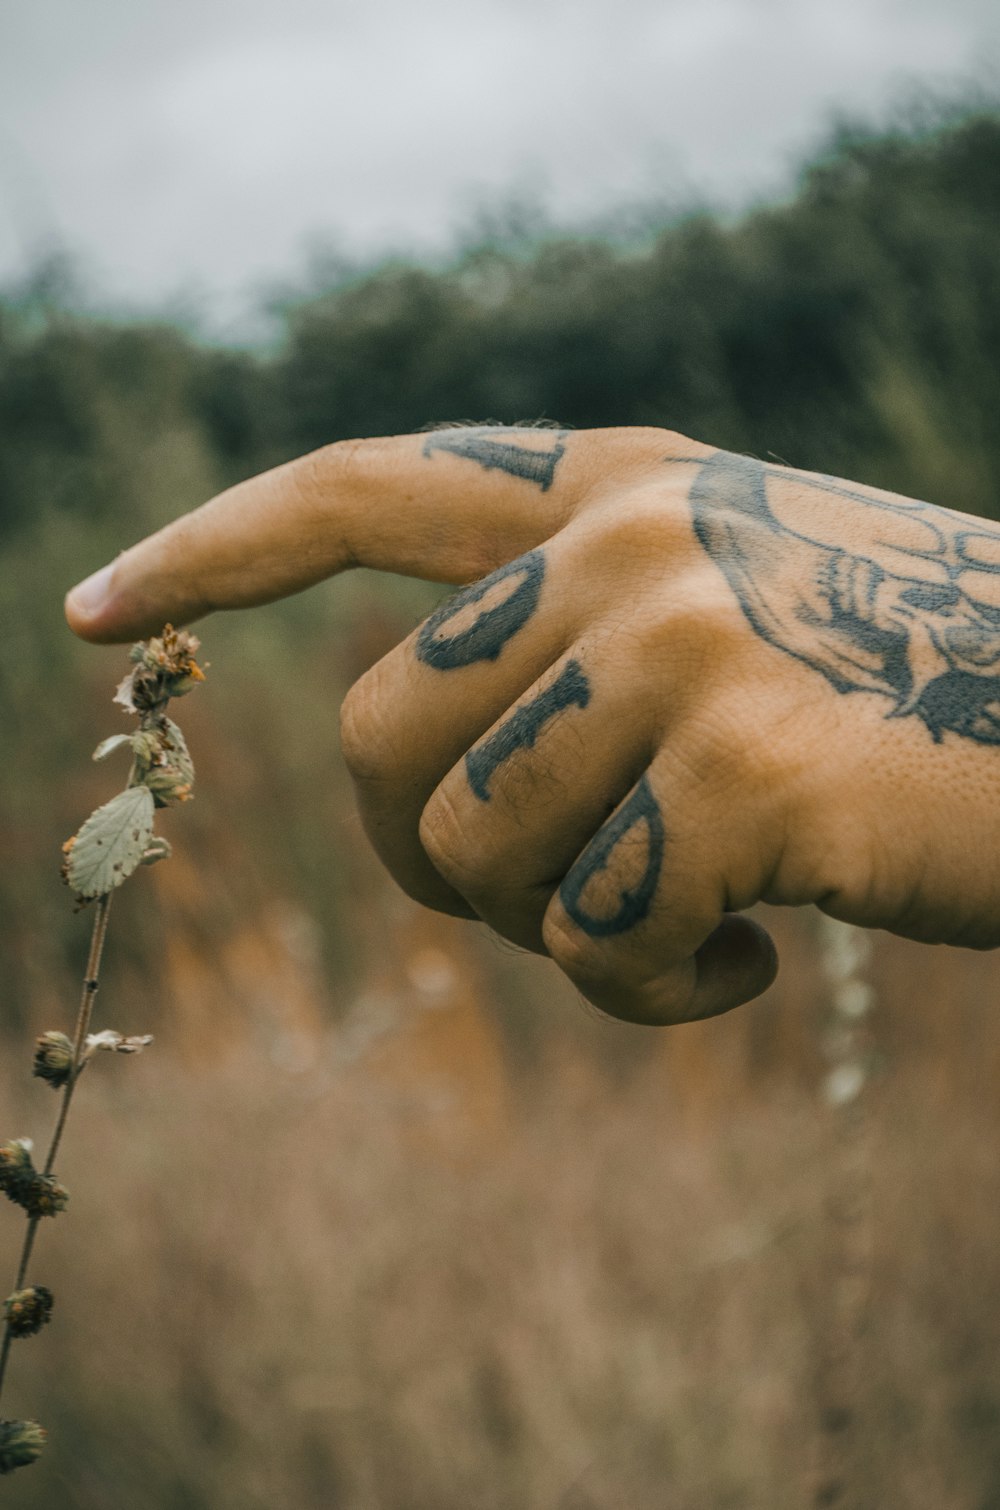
column 89, row 595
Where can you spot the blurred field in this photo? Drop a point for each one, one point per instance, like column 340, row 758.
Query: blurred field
column 389, row 1219
column 396, row 1270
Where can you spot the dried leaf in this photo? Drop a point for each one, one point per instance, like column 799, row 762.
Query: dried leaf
column 113, row 742
column 123, row 694
column 111, row 843
column 115, row 1043
column 178, row 750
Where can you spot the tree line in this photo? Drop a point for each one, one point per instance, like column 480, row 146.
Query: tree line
column 854, row 329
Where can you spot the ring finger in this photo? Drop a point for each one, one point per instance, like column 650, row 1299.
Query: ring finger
column 507, row 821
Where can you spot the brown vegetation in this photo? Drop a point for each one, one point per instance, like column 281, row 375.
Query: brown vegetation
column 474, row 1245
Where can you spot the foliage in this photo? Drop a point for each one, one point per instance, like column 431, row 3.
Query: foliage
column 830, row 330
column 545, row 1320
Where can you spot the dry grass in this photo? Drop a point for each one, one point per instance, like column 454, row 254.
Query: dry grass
column 281, row 1295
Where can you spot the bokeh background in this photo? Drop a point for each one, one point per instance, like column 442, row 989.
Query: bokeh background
column 389, row 1219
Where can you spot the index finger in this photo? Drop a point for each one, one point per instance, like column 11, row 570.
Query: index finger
column 447, row 505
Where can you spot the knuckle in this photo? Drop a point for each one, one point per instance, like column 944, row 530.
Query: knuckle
column 769, row 767
column 740, row 755
column 697, row 616
column 345, row 468
column 366, row 742
column 742, row 764
column 445, row 841
column 585, row 960
column 313, row 475
column 632, row 988
column 687, row 640
column 630, row 450
column 705, row 597
column 635, row 524
column 315, row 470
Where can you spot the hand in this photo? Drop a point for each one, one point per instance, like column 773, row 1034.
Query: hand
column 683, row 682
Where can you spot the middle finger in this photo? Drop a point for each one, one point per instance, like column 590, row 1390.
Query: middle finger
column 418, row 710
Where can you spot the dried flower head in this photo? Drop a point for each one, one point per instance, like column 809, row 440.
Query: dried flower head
column 53, row 1059
column 37, row 1194
column 118, row 836
column 15, row 1160
column 21, row 1443
column 27, row 1311
column 42, row 1195
column 164, row 667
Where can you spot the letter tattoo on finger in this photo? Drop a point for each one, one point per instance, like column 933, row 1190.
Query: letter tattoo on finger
column 447, row 639
column 641, row 810
column 570, row 689
column 493, row 451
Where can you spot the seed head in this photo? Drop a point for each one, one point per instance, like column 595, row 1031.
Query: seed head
column 21, row 1443
column 15, row 1162
column 165, row 667
column 16, row 1169
column 27, row 1311
column 37, row 1194
column 43, row 1196
column 53, row 1059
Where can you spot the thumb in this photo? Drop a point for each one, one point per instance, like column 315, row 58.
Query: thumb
column 449, row 506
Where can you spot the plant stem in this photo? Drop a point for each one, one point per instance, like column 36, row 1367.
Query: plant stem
column 90, row 983
column 89, row 992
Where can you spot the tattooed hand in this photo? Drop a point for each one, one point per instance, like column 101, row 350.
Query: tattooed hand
column 681, row 682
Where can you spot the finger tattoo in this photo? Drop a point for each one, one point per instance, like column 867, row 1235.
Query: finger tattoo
column 570, row 689
column 447, row 639
column 640, row 811
column 493, row 454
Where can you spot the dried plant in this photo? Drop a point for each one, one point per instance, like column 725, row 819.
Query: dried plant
column 115, row 840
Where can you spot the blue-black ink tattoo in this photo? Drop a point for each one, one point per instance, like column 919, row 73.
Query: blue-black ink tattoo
column 916, row 620
column 494, row 452
column 634, row 902
column 570, row 689
column 486, row 636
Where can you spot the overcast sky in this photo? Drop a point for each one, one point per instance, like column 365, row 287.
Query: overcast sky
column 208, row 144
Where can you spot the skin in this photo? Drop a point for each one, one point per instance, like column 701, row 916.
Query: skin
column 679, row 682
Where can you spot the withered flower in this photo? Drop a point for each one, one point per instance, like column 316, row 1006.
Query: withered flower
column 37, row 1194
column 42, row 1195
column 15, row 1164
column 53, row 1059
column 165, row 667
column 27, row 1311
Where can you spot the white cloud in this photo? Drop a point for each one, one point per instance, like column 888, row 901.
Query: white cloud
column 210, row 141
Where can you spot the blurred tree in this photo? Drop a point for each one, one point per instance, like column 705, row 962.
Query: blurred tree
column 854, row 329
